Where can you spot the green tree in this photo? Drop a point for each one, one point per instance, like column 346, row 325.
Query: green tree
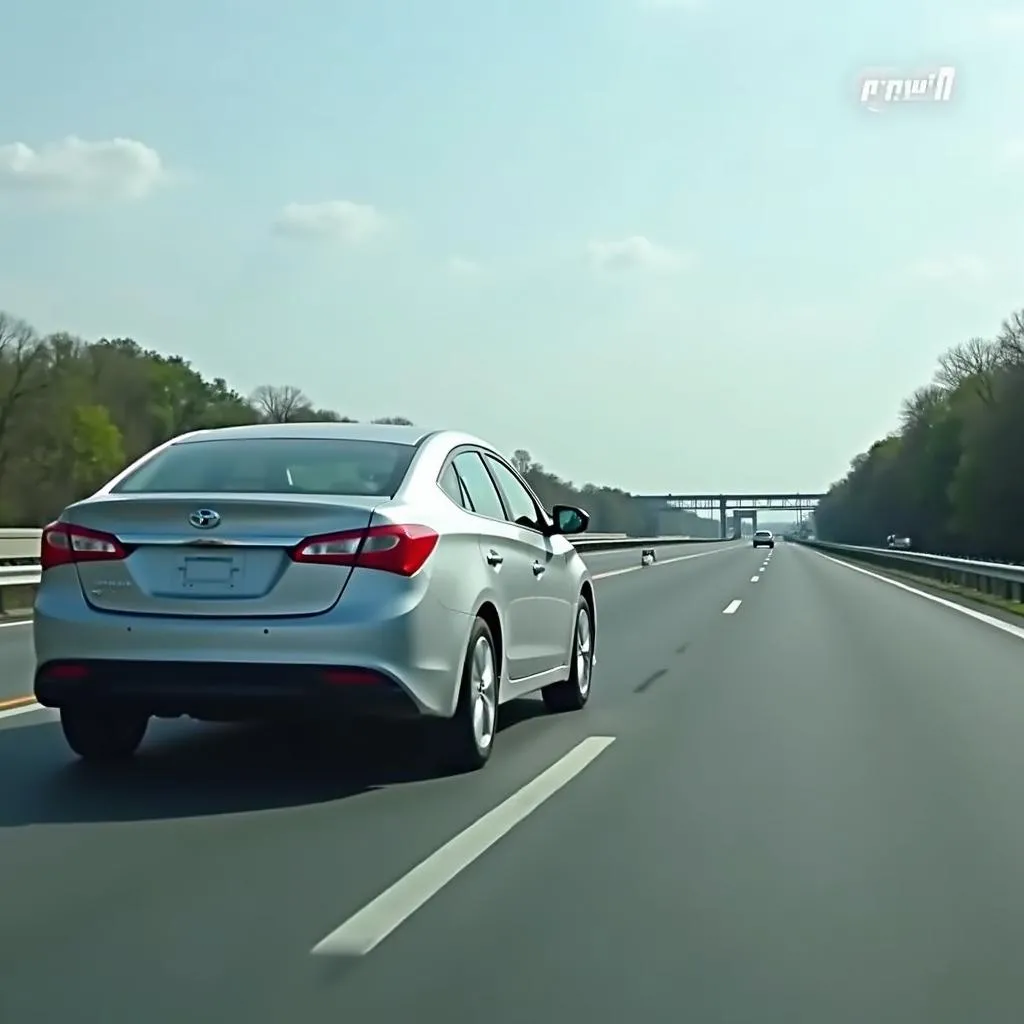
column 73, row 413
column 951, row 476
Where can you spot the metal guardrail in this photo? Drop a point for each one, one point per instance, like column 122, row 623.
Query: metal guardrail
column 19, row 546
column 998, row 579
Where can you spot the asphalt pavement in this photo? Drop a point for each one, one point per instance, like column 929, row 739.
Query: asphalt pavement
column 794, row 799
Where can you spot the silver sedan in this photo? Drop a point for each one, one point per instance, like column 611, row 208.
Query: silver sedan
column 247, row 571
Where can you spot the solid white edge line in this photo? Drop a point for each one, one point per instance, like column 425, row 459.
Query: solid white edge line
column 23, row 710
column 989, row 620
column 20, row 622
column 730, row 608
column 382, row 915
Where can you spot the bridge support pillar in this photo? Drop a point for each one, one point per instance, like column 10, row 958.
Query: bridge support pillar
column 722, row 521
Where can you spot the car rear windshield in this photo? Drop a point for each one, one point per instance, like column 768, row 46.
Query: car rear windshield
column 763, row 533
column 262, row 465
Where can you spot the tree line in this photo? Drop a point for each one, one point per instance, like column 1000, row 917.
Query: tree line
column 951, row 477
column 74, row 412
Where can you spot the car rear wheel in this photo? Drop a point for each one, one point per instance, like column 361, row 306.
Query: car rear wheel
column 573, row 693
column 472, row 729
column 110, row 734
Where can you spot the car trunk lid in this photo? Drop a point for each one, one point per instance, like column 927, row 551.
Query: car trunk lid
column 181, row 562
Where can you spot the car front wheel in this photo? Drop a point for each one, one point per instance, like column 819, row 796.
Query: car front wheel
column 103, row 734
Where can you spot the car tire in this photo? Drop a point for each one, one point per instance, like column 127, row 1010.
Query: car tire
column 573, row 693
column 103, row 734
column 471, row 730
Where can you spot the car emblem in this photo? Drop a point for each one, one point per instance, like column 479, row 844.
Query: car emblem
column 204, row 519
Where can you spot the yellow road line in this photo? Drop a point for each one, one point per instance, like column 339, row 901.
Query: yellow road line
column 17, row 702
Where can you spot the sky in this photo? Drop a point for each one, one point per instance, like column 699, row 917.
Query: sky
column 660, row 244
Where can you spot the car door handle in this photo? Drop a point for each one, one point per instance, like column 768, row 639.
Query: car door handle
column 538, row 569
column 493, row 558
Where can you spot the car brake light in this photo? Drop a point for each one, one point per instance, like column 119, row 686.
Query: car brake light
column 67, row 670
column 401, row 549
column 350, row 677
column 67, row 544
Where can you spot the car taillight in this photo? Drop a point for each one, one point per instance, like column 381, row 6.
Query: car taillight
column 401, row 549
column 65, row 544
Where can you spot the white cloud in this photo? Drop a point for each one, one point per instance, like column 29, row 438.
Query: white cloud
column 338, row 219
column 1004, row 22
column 77, row 169
column 672, row 5
column 952, row 30
column 463, row 268
column 955, row 267
column 637, row 253
column 1012, row 154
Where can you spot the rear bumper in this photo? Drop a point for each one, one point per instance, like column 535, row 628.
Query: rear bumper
column 221, row 690
column 197, row 663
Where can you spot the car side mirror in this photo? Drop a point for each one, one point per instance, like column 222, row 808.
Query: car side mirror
column 569, row 520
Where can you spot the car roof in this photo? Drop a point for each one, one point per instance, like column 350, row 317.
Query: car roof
column 395, row 433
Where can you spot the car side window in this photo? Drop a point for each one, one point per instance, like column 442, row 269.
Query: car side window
column 451, row 485
column 522, row 509
column 480, row 489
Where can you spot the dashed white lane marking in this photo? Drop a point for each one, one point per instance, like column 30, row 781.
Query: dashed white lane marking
column 654, row 565
column 989, row 620
column 730, row 608
column 379, row 918
column 754, row 579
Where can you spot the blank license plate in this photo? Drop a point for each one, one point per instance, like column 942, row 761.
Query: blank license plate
column 210, row 569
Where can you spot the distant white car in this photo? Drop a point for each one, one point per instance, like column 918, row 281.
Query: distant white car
column 898, row 543
column 764, row 538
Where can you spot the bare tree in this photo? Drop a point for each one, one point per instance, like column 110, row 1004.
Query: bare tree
column 280, row 403
column 521, row 460
column 1010, row 340
column 918, row 409
column 971, row 361
column 396, row 421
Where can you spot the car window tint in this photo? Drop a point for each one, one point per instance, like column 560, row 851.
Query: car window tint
column 451, row 485
column 263, row 465
column 521, row 506
column 479, row 486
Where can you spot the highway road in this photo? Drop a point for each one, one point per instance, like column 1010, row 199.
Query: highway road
column 792, row 800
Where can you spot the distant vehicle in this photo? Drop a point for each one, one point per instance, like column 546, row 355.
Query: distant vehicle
column 764, row 538
column 241, row 572
column 899, row 543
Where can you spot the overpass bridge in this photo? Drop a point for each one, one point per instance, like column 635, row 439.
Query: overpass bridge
column 737, row 506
